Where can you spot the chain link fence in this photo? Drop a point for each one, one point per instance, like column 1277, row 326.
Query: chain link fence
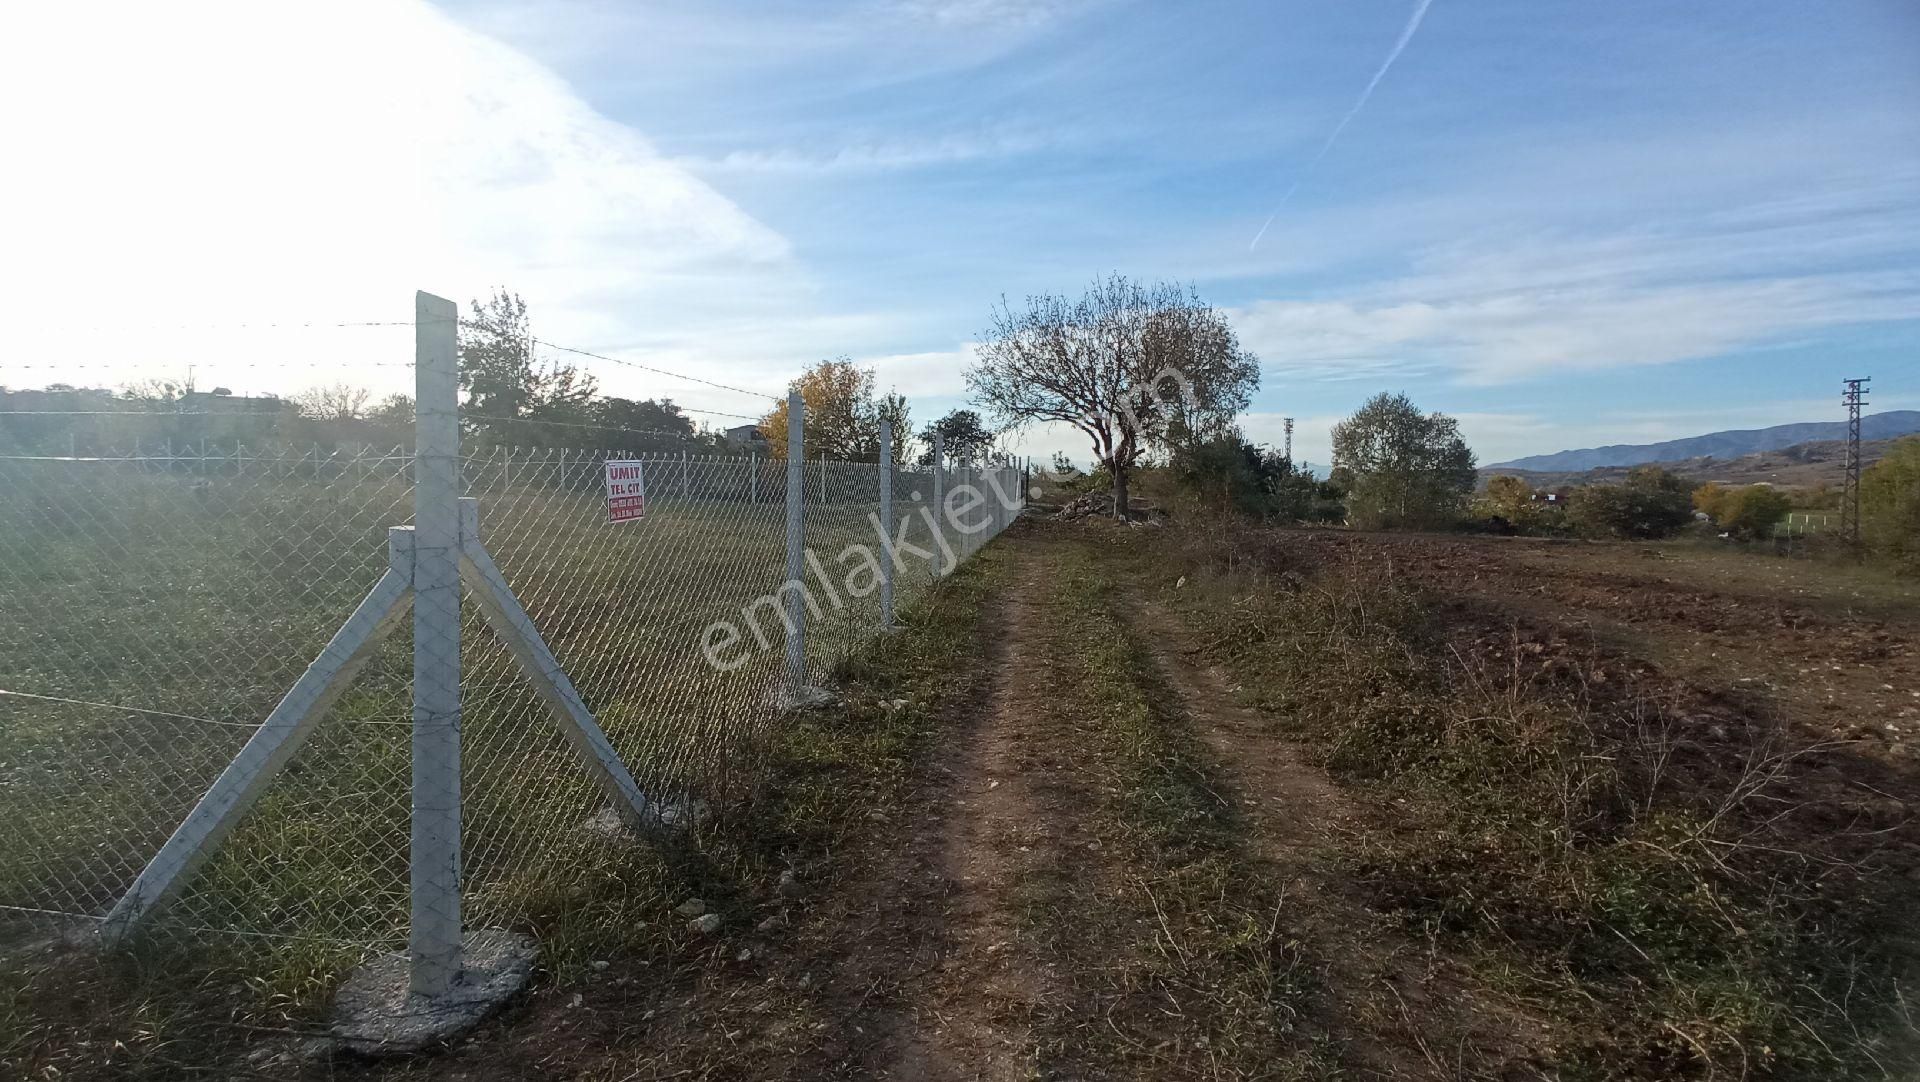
column 154, row 609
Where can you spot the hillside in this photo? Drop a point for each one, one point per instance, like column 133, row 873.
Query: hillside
column 1718, row 445
column 1803, row 465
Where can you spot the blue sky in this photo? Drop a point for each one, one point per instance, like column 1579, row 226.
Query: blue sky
column 1567, row 223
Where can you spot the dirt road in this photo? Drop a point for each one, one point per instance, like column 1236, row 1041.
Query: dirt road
column 980, row 828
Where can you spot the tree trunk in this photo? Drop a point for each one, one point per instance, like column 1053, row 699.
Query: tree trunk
column 1120, row 493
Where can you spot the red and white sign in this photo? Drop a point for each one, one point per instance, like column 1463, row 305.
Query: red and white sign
column 626, row 491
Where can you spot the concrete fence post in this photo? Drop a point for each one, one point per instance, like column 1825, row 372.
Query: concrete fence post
column 939, row 499
column 886, row 524
column 795, row 587
column 434, row 938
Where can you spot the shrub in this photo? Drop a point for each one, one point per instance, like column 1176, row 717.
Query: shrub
column 1890, row 505
column 1510, row 500
column 1228, row 474
column 1224, row 473
column 1747, row 511
column 1752, row 511
column 1650, row 503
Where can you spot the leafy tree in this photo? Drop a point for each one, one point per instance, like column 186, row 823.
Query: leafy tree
column 642, row 415
column 1298, row 497
column 897, row 419
column 638, row 424
column 390, row 423
column 1890, row 504
column 1708, row 496
column 843, row 416
column 1744, row 510
column 508, row 387
column 1120, row 365
column 1753, row 510
column 1509, row 498
column 395, row 409
column 1402, row 467
column 964, row 436
column 1649, row 503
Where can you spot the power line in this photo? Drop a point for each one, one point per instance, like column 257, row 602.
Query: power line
column 655, row 371
column 217, row 365
column 143, row 413
column 310, row 324
column 465, row 325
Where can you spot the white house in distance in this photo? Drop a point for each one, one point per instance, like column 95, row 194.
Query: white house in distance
column 746, row 438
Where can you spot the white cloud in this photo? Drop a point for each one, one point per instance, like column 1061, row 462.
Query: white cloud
column 1019, row 14
column 873, row 155
column 937, row 375
column 1505, row 335
column 1513, row 305
column 1515, row 259
column 218, row 164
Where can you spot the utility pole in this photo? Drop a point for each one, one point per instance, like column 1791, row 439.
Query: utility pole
column 1855, row 396
column 1288, row 422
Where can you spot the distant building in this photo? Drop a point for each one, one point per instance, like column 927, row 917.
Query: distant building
column 746, row 437
column 222, row 400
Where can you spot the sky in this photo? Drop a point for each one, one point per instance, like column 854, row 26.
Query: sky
column 1567, row 224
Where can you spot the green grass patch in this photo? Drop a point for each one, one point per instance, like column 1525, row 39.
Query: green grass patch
column 320, row 863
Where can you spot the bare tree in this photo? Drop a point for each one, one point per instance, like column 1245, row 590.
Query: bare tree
column 1128, row 365
column 333, row 402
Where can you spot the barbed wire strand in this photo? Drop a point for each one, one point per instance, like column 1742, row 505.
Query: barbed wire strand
column 10, row 693
column 654, row 370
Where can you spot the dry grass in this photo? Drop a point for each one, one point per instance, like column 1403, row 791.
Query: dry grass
column 1663, row 885
column 1173, row 942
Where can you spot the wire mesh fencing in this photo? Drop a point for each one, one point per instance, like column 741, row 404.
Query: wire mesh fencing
column 155, row 608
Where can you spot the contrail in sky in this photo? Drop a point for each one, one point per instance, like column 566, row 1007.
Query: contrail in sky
column 1399, row 46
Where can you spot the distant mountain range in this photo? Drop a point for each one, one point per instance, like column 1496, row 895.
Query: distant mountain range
column 1804, row 465
column 1730, row 444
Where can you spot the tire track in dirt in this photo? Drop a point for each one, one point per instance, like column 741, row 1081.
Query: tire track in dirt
column 964, row 1004
column 1398, row 1008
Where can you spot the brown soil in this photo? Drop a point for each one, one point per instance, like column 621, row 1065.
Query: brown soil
column 1838, row 651
column 963, row 1004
